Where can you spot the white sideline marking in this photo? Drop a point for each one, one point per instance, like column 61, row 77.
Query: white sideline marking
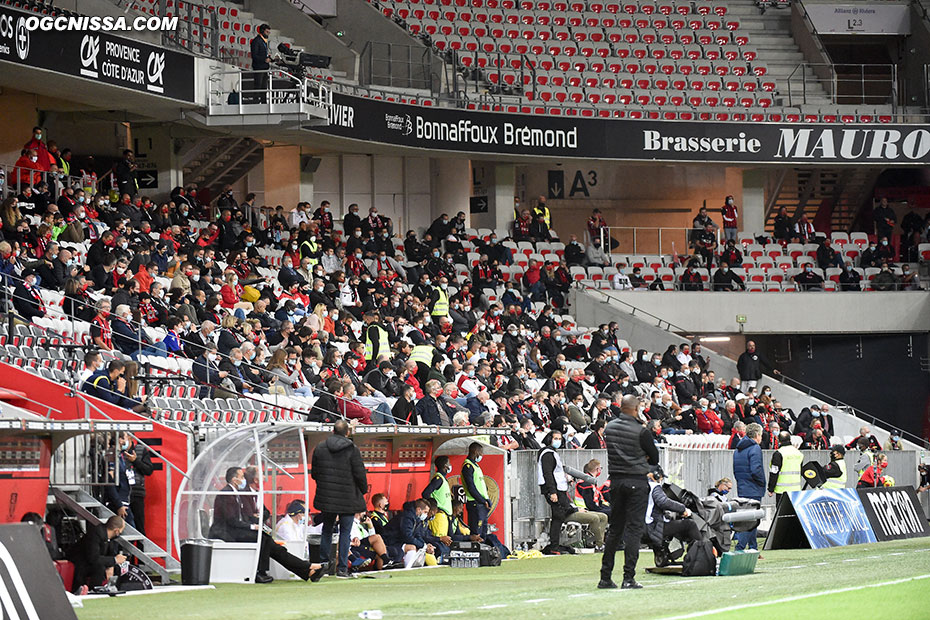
column 580, row 594
column 497, row 606
column 537, row 600
column 451, row 612
column 788, row 599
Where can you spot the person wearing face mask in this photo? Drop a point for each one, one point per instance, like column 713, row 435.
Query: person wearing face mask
column 690, row 279
column 886, row 279
column 808, row 279
column 730, row 214
column 439, row 490
column 206, row 372
column 406, row 534
column 477, row 499
column 235, row 519
column 725, row 279
column 27, row 300
column 138, row 466
column 439, row 300
column 553, row 484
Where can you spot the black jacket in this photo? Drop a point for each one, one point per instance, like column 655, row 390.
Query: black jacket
column 143, row 467
column 750, row 366
column 92, row 554
column 339, row 473
column 233, row 518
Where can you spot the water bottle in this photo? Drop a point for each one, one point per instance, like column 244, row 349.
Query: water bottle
column 371, row 614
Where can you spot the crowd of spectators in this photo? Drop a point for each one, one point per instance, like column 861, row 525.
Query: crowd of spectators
column 377, row 331
column 718, row 257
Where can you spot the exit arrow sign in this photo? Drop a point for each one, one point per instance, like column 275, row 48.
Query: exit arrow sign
column 148, row 179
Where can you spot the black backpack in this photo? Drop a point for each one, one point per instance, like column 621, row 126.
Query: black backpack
column 700, row 560
column 489, row 555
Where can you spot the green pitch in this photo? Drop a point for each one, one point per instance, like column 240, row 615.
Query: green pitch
column 835, row 583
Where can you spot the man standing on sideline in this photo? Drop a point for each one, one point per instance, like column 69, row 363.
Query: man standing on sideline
column 341, row 483
column 477, row 502
column 750, row 365
column 785, row 471
column 750, row 477
column 139, row 462
column 630, row 452
column 553, row 484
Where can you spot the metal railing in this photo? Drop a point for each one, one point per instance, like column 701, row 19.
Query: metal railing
column 780, row 377
column 396, row 65
column 644, row 240
column 271, row 91
column 488, row 74
column 845, row 84
column 15, row 179
column 198, row 28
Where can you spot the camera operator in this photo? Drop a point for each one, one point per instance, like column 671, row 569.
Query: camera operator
column 261, row 62
column 658, row 526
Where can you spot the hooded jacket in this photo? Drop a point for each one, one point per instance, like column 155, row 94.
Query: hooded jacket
column 339, row 473
column 645, row 369
column 748, row 469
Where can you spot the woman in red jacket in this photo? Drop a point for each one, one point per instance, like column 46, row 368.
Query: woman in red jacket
column 231, row 294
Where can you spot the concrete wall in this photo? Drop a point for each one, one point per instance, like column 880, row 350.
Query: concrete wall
column 787, row 313
column 646, row 196
column 398, row 186
column 642, row 332
column 916, row 55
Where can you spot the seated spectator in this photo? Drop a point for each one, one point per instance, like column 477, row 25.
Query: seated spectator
column 596, row 256
column 893, row 442
column 816, row 440
column 690, row 279
column 910, row 280
column 589, row 495
column 807, row 280
column 96, row 555
column 865, row 433
column 731, row 255
column 574, row 252
column 726, row 280
column 27, row 300
column 886, row 280
column 827, row 256
column 850, row 278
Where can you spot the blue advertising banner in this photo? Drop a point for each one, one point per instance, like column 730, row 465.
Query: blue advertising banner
column 832, row 518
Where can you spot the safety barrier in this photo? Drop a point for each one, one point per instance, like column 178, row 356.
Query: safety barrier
column 694, row 469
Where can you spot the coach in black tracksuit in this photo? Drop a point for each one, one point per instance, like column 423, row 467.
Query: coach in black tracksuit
column 630, row 452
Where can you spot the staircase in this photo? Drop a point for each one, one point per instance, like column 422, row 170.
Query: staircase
column 221, row 161
column 770, row 33
column 804, row 191
column 93, row 512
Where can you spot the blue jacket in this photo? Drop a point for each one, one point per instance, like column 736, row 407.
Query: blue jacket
column 748, row 469
column 475, row 408
column 126, row 338
column 406, row 529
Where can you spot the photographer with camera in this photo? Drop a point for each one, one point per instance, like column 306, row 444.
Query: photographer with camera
column 659, row 526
